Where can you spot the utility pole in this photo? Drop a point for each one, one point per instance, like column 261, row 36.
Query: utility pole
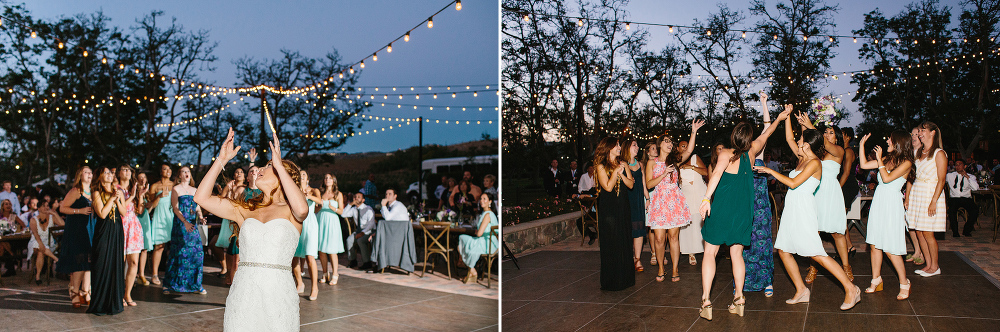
column 262, row 143
column 420, row 160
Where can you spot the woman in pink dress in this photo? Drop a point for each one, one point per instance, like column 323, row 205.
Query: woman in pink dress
column 668, row 209
column 133, row 229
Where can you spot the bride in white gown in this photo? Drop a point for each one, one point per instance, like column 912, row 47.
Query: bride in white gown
column 263, row 296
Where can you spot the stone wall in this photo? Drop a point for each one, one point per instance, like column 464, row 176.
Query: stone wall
column 534, row 234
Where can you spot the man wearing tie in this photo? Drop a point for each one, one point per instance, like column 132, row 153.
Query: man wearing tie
column 572, row 178
column 960, row 186
column 552, row 178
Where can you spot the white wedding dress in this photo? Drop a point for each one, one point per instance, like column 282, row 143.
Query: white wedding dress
column 263, row 296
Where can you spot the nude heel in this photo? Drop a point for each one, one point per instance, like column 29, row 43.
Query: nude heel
column 876, row 286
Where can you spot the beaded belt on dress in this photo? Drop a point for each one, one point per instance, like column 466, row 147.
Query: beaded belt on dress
column 266, row 265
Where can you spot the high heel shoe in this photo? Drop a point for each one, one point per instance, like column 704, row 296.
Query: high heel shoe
column 851, row 252
column 74, row 298
column 849, row 272
column 143, row 281
column 83, row 298
column 804, row 298
column 876, row 286
column 811, row 274
column 737, row 308
column 857, row 298
column 706, row 310
column 903, row 288
column 322, row 278
column 692, row 260
column 333, row 279
column 638, row 266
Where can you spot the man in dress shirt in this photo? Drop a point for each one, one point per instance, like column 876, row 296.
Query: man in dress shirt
column 359, row 244
column 586, row 184
column 15, row 203
column 552, row 178
column 393, row 209
column 960, row 186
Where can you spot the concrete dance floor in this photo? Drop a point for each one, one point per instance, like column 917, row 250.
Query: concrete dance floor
column 353, row 304
column 560, row 291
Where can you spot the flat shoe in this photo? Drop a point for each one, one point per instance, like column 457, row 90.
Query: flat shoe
column 937, row 272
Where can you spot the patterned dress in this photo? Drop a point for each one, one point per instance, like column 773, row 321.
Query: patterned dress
column 920, row 198
column 134, row 241
column 667, row 206
column 759, row 256
column 187, row 255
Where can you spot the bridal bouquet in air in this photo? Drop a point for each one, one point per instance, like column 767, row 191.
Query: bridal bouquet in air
column 824, row 111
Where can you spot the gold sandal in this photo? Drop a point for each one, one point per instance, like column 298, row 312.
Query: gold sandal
column 706, row 310
column 737, row 308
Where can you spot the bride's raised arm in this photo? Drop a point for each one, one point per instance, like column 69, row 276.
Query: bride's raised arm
column 296, row 200
column 217, row 205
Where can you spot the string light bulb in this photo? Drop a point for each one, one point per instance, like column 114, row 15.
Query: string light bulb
column 526, row 18
column 627, row 26
column 671, row 29
column 430, row 22
column 34, row 34
column 406, row 37
column 60, row 45
column 458, row 5
column 389, row 48
column 579, row 22
column 362, row 66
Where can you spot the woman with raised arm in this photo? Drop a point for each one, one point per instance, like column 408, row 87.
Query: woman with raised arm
column 798, row 232
column 759, row 257
column 668, row 210
column 848, row 180
column 74, row 252
column 734, row 216
column 161, row 221
column 886, row 219
column 308, row 241
column 109, row 246
column 926, row 209
column 613, row 213
column 829, row 198
column 263, row 296
column 187, row 254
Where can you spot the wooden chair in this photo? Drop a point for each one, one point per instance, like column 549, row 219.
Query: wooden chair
column 492, row 256
column 586, row 204
column 432, row 244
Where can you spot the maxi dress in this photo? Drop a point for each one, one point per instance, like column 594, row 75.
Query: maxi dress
column 107, row 277
column 615, row 227
column 471, row 247
column 759, row 256
column 187, row 255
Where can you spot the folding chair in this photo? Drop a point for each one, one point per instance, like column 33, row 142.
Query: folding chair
column 586, row 204
column 432, row 244
column 490, row 257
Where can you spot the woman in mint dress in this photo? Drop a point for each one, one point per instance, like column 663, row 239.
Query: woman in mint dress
column 187, row 255
column 887, row 217
column 471, row 247
column 829, row 197
column 731, row 183
column 233, row 188
column 308, row 240
column 331, row 238
column 161, row 221
column 798, row 232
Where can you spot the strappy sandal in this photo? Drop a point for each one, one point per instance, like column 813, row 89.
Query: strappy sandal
column 738, row 308
column 849, row 272
column 811, row 274
column 83, row 298
column 769, row 291
column 905, row 288
column 876, row 286
column 692, row 260
column 918, row 260
column 323, row 277
column 156, row 280
column 706, row 309
column 333, row 279
column 638, row 266
column 142, row 280
column 74, row 298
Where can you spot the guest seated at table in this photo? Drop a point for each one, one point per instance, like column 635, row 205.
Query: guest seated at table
column 394, row 253
column 41, row 244
column 586, row 185
column 393, row 209
column 31, row 204
column 359, row 244
column 9, row 218
column 960, row 187
column 471, row 247
column 439, row 192
column 489, row 184
column 463, row 199
column 473, row 188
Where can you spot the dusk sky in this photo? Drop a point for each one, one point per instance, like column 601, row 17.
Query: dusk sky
column 849, row 17
column 461, row 49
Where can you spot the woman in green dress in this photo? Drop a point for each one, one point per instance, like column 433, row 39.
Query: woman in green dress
column 733, row 204
column 471, row 247
column 161, row 222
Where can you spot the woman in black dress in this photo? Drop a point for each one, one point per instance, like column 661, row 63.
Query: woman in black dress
column 613, row 216
column 74, row 252
column 108, row 265
column 848, row 180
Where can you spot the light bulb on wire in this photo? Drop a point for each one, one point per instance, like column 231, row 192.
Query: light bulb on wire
column 406, row 37
column 458, row 5
column 430, row 22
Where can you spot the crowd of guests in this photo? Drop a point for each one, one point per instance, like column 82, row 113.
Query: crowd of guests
column 682, row 205
column 462, row 194
column 114, row 221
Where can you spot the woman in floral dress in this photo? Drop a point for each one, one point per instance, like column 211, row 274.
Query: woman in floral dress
column 184, row 266
column 133, row 229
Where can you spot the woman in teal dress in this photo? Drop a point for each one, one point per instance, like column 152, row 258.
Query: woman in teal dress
column 731, row 182
column 887, row 217
column 161, row 221
column 308, row 240
column 233, row 188
column 187, row 255
column 798, row 232
column 471, row 247
column 331, row 239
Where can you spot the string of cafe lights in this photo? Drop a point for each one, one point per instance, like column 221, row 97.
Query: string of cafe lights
column 200, row 117
column 367, row 132
column 60, row 44
column 580, row 20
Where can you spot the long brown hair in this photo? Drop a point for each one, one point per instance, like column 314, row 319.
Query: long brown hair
column 645, row 154
column 131, row 180
column 97, row 186
column 626, row 143
column 602, row 151
column 674, row 157
column 257, row 201
column 78, row 179
column 902, row 151
column 741, row 140
column 331, row 189
column 936, row 142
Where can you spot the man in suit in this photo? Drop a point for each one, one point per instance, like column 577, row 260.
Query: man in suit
column 572, row 178
column 552, row 178
column 960, row 186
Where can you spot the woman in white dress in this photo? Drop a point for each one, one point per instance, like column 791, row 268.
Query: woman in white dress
column 693, row 186
column 40, row 245
column 263, row 296
column 925, row 198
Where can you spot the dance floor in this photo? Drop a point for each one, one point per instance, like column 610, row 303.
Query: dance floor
column 560, row 291
column 353, row 304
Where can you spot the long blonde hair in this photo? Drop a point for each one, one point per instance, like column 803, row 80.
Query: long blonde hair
column 936, row 142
